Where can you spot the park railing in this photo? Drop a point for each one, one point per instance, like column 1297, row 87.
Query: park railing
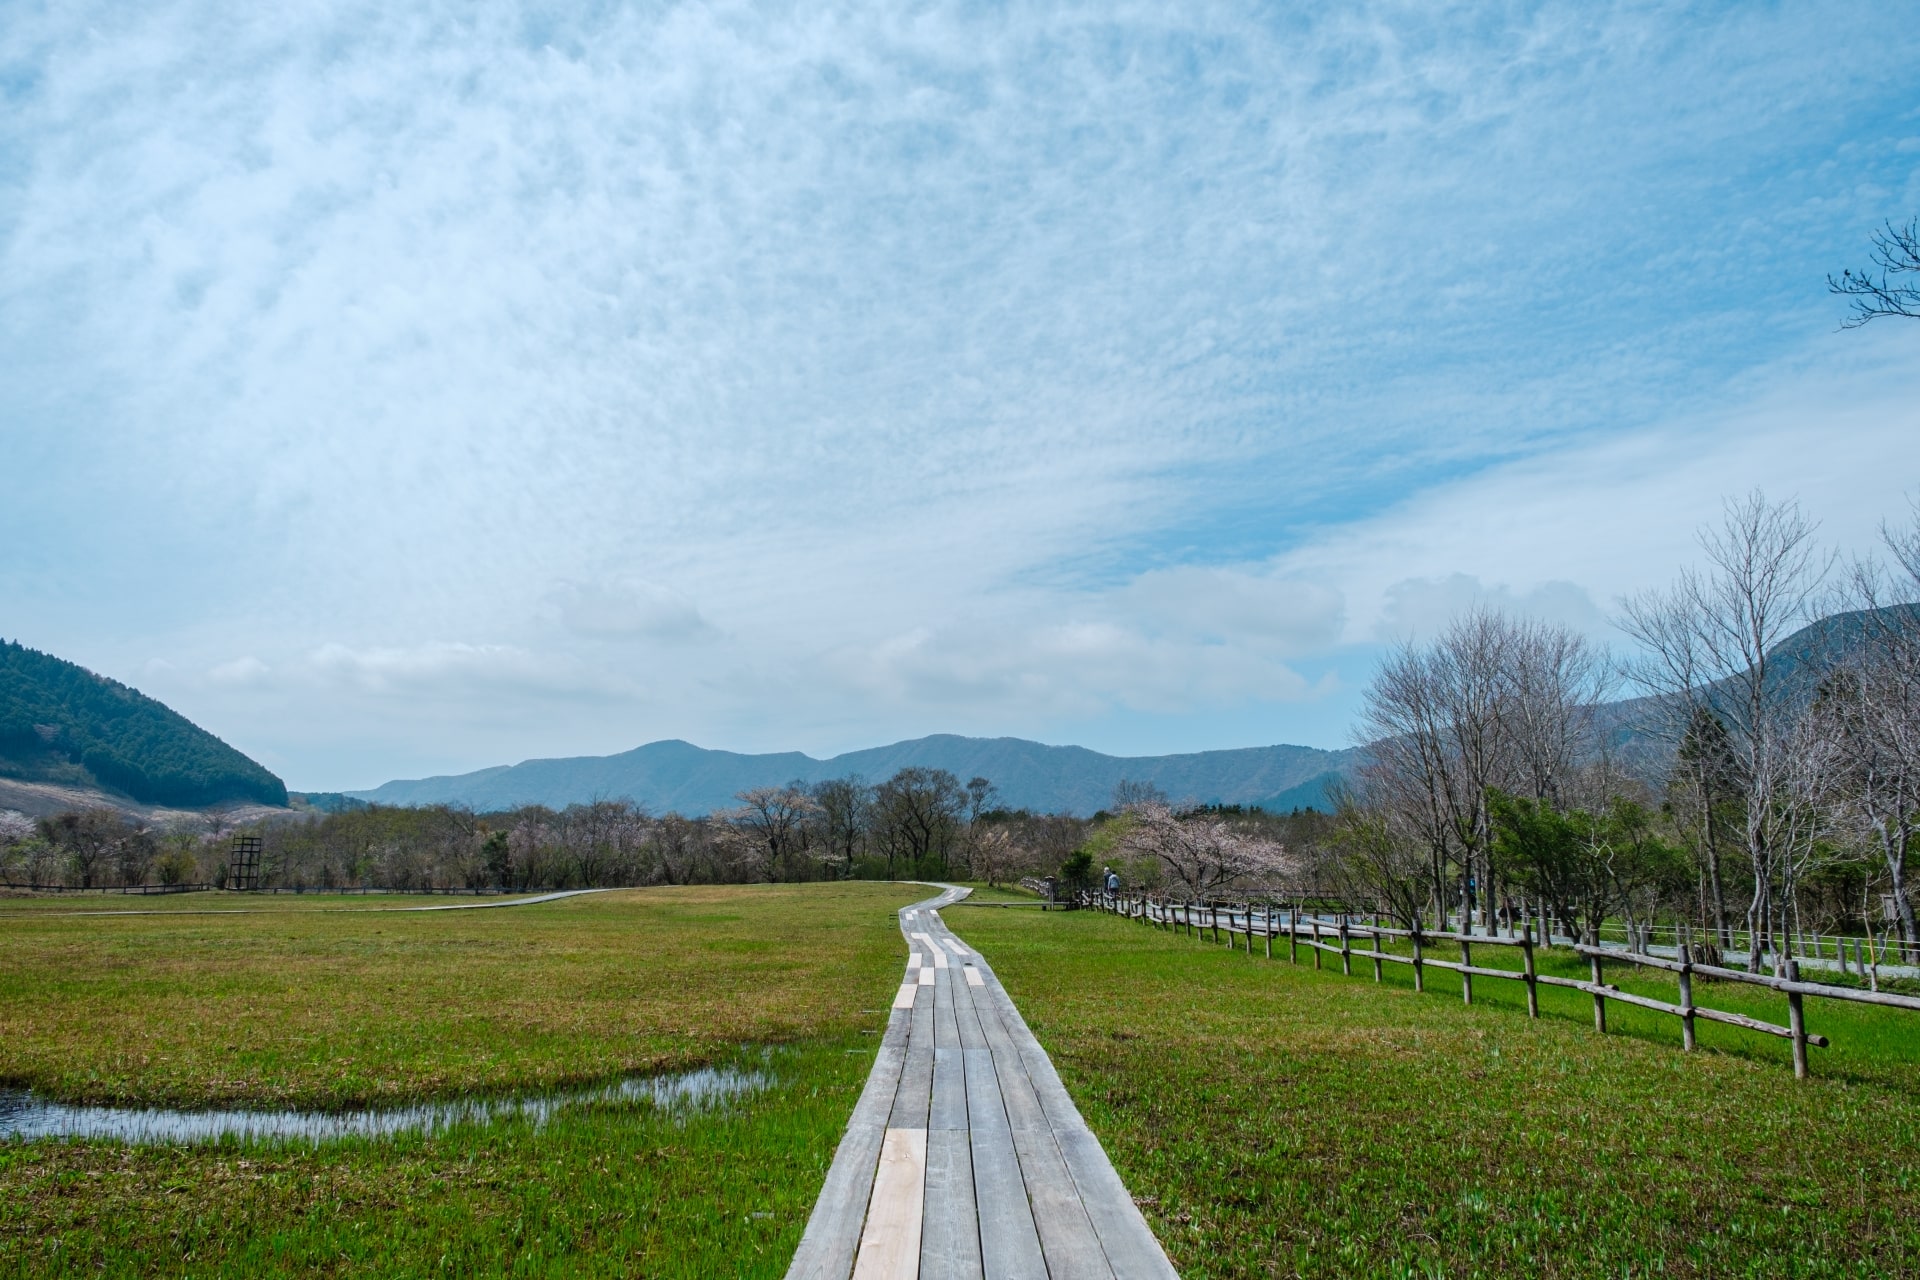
column 1323, row 937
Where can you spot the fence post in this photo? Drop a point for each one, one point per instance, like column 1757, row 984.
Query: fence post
column 1213, row 917
column 1293, row 934
column 1419, row 970
column 1599, row 1001
column 1797, row 1022
column 1266, row 930
column 1466, row 979
column 1376, row 955
column 1315, row 920
column 1526, row 956
column 1346, row 947
column 1687, row 1041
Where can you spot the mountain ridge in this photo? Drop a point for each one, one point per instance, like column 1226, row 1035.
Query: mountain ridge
column 675, row 775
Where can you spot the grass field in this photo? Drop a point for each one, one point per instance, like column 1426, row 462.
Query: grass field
column 334, row 1003
column 1275, row 1120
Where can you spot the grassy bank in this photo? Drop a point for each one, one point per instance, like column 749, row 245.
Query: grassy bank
column 1275, row 1120
column 326, row 1008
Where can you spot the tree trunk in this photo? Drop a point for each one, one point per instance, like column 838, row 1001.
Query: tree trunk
column 1896, row 848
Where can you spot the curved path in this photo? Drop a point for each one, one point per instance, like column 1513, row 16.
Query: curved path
column 260, row 911
column 964, row 1156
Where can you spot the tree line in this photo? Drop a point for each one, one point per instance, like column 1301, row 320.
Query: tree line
column 1765, row 773
column 918, row 824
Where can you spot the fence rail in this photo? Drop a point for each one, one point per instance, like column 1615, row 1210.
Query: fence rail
column 1323, row 937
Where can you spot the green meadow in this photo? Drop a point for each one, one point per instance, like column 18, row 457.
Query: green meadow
column 334, row 1003
column 1277, row 1120
column 1272, row 1119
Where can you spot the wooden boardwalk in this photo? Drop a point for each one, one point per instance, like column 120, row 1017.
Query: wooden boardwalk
column 965, row 1157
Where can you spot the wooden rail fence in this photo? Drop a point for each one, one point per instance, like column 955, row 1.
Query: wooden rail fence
column 1338, row 937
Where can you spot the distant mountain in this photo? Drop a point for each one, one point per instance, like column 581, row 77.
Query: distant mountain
column 678, row 776
column 62, row 725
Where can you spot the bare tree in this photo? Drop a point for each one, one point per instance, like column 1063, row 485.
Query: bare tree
column 1896, row 252
column 1435, row 724
column 1554, row 678
column 1130, row 794
column 1204, row 854
column 843, row 810
column 89, row 839
column 1871, row 711
column 1712, row 643
column 1704, row 797
column 917, row 817
column 1372, row 858
column 776, row 819
column 982, row 796
column 16, row 829
column 994, row 854
column 679, row 848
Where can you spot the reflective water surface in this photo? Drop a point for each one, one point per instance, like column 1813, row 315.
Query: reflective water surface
column 24, row 1117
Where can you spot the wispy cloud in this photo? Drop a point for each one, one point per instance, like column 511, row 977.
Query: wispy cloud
column 809, row 375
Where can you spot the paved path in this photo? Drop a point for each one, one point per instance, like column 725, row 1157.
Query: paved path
column 260, row 911
column 965, row 1157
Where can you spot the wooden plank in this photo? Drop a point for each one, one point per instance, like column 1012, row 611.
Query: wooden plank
column 953, row 945
column 903, row 998
column 926, row 977
column 1129, row 1243
column 912, row 1098
column 1009, row 1241
column 971, row 1036
column 1126, row 1242
column 949, row 1108
column 1067, row 1237
column 946, row 1029
column 890, row 1243
column 973, row 977
column 827, row 1247
column 950, row 1230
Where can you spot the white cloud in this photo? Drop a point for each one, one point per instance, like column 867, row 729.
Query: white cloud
column 857, row 370
column 630, row 609
column 240, row 671
column 450, row 669
column 1565, row 532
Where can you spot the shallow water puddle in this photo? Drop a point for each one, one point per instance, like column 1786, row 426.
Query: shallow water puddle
column 24, row 1117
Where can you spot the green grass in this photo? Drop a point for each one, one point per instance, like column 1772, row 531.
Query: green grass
column 1275, row 1120
column 317, row 1007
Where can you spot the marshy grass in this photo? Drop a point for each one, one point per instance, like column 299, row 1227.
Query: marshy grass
column 327, row 1009
column 1278, row 1121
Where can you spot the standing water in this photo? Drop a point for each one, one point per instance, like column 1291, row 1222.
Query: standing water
column 23, row 1117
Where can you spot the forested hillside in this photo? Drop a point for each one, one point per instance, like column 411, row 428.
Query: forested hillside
column 61, row 722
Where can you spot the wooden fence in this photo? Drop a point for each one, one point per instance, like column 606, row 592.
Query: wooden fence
column 1338, row 937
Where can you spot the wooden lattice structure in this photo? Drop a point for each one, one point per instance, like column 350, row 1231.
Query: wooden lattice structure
column 243, row 868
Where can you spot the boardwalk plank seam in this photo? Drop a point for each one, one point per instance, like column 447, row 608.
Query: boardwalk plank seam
column 965, row 1156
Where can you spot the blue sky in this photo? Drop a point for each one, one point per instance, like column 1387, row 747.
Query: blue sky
column 400, row 389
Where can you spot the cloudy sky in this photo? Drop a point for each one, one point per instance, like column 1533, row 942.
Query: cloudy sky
column 401, row 388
